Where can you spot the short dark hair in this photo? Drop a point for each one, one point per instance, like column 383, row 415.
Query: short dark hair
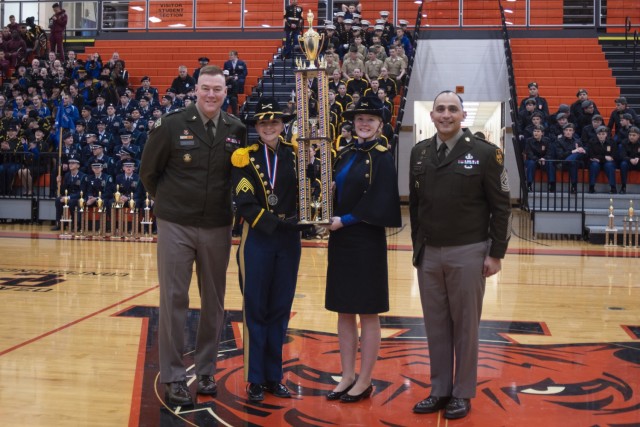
column 210, row 70
column 449, row 91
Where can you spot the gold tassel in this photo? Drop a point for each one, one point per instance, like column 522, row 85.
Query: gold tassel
column 240, row 157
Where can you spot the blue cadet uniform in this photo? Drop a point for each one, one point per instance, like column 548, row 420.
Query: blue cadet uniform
column 265, row 188
column 128, row 184
column 102, row 185
column 72, row 184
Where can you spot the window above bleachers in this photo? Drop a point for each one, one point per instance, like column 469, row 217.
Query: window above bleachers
column 87, row 18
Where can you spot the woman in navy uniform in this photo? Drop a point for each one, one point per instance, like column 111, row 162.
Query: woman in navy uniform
column 265, row 186
column 366, row 201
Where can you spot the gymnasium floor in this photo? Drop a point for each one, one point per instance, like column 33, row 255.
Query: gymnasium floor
column 560, row 340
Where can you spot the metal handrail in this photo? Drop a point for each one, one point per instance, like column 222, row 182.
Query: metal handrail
column 636, row 41
column 513, row 105
column 627, row 28
column 100, row 21
column 562, row 199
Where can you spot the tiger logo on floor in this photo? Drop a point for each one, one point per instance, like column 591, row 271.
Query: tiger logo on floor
column 524, row 385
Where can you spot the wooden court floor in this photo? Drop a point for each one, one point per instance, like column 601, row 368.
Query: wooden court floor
column 560, row 340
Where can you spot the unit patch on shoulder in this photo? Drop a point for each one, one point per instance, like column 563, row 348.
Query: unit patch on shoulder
column 499, row 156
column 158, row 123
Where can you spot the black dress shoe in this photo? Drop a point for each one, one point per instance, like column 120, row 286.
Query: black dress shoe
column 335, row 395
column 207, row 385
column 255, row 393
column 350, row 398
column 277, row 389
column 457, row 408
column 55, row 228
column 623, row 189
column 431, row 404
column 177, row 393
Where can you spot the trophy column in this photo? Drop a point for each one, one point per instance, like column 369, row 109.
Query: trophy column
column 313, row 130
column 147, row 222
column 65, row 221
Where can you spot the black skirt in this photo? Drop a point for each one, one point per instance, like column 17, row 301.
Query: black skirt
column 357, row 275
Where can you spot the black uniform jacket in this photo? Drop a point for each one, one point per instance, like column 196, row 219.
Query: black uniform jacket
column 461, row 201
column 189, row 176
column 370, row 191
column 251, row 187
column 536, row 150
column 630, row 150
column 599, row 150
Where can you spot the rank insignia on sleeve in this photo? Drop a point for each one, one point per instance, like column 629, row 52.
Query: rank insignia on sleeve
column 158, row 123
column 499, row 156
column 504, row 181
column 244, row 186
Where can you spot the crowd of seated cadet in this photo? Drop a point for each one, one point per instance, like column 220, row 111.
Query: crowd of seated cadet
column 109, row 110
column 575, row 137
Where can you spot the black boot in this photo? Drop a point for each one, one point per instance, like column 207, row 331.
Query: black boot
column 623, row 189
column 592, row 189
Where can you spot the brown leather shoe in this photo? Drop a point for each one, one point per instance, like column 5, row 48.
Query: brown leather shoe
column 207, row 385
column 431, row 404
column 177, row 393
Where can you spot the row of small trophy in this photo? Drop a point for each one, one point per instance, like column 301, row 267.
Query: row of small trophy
column 629, row 229
column 91, row 222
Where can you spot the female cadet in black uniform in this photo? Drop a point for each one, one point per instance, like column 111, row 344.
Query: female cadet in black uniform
column 366, row 201
column 265, row 186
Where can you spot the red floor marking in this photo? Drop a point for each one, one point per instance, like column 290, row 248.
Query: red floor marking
column 136, row 397
column 88, row 316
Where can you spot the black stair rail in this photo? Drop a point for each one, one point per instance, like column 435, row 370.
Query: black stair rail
column 513, row 106
column 403, row 101
column 627, row 28
column 636, row 40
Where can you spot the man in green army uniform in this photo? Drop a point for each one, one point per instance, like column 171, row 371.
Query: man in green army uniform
column 460, row 228
column 186, row 168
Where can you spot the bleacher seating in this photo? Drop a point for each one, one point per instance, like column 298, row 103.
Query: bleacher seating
column 561, row 67
column 159, row 59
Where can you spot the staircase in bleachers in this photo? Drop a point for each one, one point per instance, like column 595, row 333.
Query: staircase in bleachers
column 619, row 54
column 159, row 59
column 561, row 67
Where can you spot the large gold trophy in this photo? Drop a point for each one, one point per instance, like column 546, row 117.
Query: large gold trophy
column 313, row 130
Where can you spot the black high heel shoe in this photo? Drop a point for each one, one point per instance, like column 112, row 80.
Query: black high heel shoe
column 335, row 395
column 349, row 398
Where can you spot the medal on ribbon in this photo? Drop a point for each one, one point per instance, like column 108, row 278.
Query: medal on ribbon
column 272, row 199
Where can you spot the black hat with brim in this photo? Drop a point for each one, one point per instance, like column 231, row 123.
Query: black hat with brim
column 268, row 109
column 371, row 105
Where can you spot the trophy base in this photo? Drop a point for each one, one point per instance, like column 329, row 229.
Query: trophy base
column 80, row 237
column 65, row 236
column 319, row 222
